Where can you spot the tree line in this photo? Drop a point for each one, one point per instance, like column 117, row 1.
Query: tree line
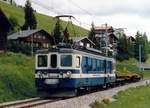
column 130, row 49
column 126, row 47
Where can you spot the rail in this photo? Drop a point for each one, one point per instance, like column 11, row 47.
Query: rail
column 27, row 103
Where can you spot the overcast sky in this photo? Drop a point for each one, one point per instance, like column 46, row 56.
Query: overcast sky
column 132, row 15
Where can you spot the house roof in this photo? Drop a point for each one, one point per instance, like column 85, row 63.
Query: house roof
column 102, row 27
column 131, row 37
column 77, row 39
column 24, row 34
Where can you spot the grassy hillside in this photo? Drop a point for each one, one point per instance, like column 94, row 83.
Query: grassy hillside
column 44, row 22
column 16, row 77
column 129, row 64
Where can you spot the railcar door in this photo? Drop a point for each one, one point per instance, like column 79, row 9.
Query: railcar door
column 108, row 71
column 84, row 71
column 105, row 73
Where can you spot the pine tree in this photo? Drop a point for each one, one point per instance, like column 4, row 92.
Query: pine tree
column 66, row 35
column 57, row 32
column 149, row 47
column 141, row 40
column 92, row 37
column 122, row 48
column 137, row 43
column 130, row 48
column 145, row 48
column 30, row 19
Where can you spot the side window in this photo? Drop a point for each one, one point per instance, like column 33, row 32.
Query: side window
column 84, row 64
column 107, row 67
column 98, row 65
column 89, row 64
column 111, row 67
column 94, row 65
column 78, row 62
column 102, row 65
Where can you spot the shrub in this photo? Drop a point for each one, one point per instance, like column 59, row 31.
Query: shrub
column 19, row 47
column 97, row 104
column 106, row 100
column 13, row 21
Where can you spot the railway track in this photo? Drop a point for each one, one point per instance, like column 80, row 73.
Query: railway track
column 28, row 103
column 34, row 102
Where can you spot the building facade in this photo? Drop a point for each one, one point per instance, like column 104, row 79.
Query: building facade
column 100, row 32
column 38, row 39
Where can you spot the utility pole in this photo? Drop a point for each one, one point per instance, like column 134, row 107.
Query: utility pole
column 140, row 59
column 106, row 39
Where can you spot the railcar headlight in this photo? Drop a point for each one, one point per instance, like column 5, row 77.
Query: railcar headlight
column 54, row 46
column 39, row 73
column 68, row 74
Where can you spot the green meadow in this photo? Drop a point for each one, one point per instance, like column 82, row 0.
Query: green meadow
column 138, row 97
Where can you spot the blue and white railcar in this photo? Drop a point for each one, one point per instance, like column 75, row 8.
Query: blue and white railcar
column 67, row 70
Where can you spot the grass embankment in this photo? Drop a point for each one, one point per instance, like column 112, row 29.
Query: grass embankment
column 44, row 22
column 132, row 98
column 148, row 60
column 16, row 77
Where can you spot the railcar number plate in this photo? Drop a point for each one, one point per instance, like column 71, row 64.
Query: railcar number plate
column 51, row 81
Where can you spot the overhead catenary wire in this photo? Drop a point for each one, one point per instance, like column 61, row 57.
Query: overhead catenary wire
column 84, row 10
column 76, row 5
column 56, row 11
column 59, row 12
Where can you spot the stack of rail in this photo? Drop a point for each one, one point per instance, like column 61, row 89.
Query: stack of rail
column 127, row 76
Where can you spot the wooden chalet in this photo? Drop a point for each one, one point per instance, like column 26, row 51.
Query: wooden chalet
column 100, row 33
column 39, row 39
column 5, row 26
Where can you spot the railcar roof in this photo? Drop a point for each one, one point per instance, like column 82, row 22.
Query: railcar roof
column 74, row 51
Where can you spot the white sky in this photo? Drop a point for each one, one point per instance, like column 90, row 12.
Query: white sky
column 132, row 15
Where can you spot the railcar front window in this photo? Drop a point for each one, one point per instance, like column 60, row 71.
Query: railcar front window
column 66, row 60
column 42, row 61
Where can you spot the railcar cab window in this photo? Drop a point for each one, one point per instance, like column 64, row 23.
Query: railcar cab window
column 53, row 60
column 66, row 60
column 42, row 61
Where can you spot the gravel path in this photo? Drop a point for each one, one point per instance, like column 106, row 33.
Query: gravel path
column 84, row 101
